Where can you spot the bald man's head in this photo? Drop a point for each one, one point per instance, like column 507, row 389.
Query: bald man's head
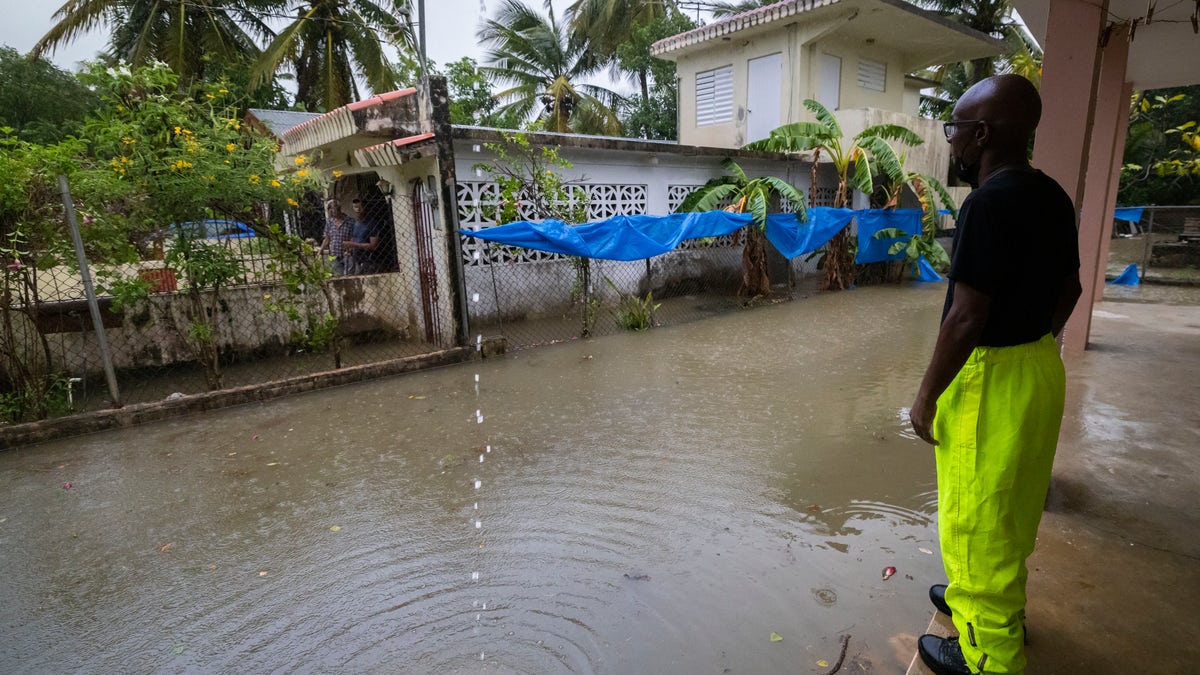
column 1010, row 104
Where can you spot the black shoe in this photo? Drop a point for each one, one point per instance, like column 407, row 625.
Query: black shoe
column 942, row 655
column 937, row 595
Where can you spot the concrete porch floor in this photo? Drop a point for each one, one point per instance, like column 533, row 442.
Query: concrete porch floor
column 1115, row 580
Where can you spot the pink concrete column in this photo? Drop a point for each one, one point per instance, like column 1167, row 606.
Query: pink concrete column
column 1070, row 78
column 1114, row 179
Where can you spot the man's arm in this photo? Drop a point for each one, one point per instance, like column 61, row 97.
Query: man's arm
column 958, row 335
column 1068, row 295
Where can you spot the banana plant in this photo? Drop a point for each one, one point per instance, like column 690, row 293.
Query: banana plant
column 929, row 192
column 825, row 136
column 746, row 195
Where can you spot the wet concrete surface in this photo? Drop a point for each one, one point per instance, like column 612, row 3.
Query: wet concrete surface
column 658, row 502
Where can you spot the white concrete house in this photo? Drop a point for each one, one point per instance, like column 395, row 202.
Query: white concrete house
column 741, row 77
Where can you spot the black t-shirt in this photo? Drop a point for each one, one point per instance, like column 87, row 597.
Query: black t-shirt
column 1016, row 241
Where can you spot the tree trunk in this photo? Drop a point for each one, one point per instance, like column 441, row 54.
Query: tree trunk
column 839, row 263
column 755, row 282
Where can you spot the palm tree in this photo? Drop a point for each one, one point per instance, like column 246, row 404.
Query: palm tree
column 543, row 68
column 332, row 43
column 991, row 17
column 184, row 34
column 825, row 136
column 747, row 195
column 608, row 24
column 721, row 10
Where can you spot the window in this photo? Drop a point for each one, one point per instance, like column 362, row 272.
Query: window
column 872, row 75
column 714, row 96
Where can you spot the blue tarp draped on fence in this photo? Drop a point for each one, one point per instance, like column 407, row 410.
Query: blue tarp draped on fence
column 640, row 237
column 616, row 238
column 1131, row 213
column 793, row 237
column 870, row 249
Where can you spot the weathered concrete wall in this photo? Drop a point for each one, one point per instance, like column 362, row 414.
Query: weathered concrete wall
column 149, row 334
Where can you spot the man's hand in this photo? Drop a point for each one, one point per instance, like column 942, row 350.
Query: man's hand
column 921, row 415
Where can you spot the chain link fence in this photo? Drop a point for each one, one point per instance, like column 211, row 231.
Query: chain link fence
column 1164, row 244
column 535, row 298
column 229, row 301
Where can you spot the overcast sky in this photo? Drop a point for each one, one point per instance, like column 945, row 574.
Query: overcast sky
column 450, row 31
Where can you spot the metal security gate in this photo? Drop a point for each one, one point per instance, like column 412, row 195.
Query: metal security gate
column 423, row 216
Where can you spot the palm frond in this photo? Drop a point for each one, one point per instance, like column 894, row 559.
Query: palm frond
column 708, row 197
column 788, row 192
column 824, row 117
column 891, row 132
column 886, row 160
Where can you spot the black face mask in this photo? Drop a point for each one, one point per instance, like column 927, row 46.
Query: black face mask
column 968, row 173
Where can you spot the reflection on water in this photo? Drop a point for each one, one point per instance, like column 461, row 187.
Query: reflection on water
column 658, row 502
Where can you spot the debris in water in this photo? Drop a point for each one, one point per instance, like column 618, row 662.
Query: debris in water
column 67, row 486
column 262, row 573
column 888, row 572
column 776, row 637
column 638, row 577
column 165, row 547
column 254, row 437
column 925, row 551
column 822, row 663
column 335, row 528
column 815, row 508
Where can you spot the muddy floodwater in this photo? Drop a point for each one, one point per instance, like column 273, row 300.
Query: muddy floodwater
column 660, row 502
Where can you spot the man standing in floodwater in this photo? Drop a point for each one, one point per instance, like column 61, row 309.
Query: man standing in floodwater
column 992, row 398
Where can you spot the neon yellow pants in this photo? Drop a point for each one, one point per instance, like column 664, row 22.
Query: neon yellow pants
column 997, row 426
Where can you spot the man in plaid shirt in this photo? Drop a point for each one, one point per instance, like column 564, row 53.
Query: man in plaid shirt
column 337, row 229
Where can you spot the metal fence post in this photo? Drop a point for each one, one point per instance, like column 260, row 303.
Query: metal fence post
column 1149, row 245
column 90, row 291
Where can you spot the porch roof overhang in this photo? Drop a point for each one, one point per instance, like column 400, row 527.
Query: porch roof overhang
column 923, row 37
column 337, row 139
column 1163, row 53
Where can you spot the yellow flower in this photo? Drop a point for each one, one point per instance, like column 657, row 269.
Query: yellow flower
column 253, row 179
column 222, row 91
column 301, row 159
column 266, row 296
column 129, row 140
column 293, row 202
column 302, row 173
column 178, row 131
column 274, row 183
column 209, row 96
column 230, row 147
column 337, row 174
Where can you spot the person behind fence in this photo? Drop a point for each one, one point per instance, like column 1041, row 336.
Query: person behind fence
column 337, row 230
column 363, row 246
column 992, row 398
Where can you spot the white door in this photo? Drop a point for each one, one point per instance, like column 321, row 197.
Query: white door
column 829, row 81
column 763, row 92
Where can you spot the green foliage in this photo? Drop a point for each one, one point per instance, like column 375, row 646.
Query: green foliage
column 867, row 153
column 471, row 100
column 541, row 69
column 1162, row 148
column 301, row 270
column 50, row 398
column 529, row 184
column 633, row 312
column 653, row 114
column 41, row 103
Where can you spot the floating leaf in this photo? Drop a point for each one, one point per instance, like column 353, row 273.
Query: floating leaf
column 179, row 649
column 416, row 398
column 335, row 528
column 165, row 547
column 776, row 637
column 67, row 486
column 822, row 663
column 272, row 463
column 254, row 437
column 262, row 573
column 212, row 568
column 888, row 572
column 925, row 551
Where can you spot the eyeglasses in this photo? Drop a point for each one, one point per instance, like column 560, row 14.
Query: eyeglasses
column 357, row 201
column 950, row 127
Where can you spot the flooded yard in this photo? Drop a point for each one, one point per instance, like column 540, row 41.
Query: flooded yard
column 660, row 502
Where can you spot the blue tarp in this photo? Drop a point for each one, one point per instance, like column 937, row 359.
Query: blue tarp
column 925, row 271
column 1131, row 213
column 792, row 237
column 640, row 237
column 870, row 221
column 1128, row 277
column 616, row 238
